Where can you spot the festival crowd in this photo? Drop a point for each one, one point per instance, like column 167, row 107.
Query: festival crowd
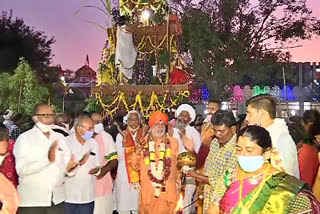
column 252, row 163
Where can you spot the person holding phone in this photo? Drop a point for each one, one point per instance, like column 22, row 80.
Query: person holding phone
column 80, row 188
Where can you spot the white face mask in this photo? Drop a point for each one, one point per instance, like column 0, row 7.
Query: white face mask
column 43, row 127
column 259, row 119
column 98, row 128
column 2, row 157
column 67, row 126
column 251, row 163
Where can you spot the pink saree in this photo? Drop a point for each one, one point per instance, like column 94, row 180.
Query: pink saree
column 231, row 198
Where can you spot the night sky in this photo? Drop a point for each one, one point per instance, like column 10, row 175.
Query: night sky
column 75, row 38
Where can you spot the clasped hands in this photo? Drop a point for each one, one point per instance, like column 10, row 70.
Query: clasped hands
column 72, row 164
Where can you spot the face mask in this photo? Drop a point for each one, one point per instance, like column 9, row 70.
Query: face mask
column 2, row 157
column 258, row 123
column 43, row 127
column 87, row 135
column 98, row 128
column 208, row 118
column 250, row 163
column 67, row 126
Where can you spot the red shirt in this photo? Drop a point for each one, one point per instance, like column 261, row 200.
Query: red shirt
column 308, row 164
column 8, row 166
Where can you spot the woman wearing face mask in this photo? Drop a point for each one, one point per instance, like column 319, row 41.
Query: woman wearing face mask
column 257, row 187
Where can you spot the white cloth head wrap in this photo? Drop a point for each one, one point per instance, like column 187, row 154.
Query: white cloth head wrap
column 125, row 118
column 189, row 109
column 7, row 115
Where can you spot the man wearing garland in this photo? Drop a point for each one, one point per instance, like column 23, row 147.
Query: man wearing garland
column 155, row 159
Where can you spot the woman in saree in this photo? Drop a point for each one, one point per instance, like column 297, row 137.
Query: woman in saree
column 257, row 187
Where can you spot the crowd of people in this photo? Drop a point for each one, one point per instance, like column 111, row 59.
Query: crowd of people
column 253, row 163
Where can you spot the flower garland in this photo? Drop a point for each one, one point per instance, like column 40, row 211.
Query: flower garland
column 158, row 173
column 110, row 109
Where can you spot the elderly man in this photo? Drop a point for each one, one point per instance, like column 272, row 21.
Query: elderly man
column 80, row 188
column 261, row 111
column 108, row 159
column 155, row 159
column 222, row 157
column 62, row 124
column 127, row 180
column 189, row 140
column 42, row 159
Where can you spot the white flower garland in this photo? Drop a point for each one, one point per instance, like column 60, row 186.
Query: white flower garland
column 157, row 170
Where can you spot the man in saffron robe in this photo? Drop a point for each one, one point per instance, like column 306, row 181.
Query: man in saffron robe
column 155, row 159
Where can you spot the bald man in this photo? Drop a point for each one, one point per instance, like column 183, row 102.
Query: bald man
column 108, row 159
column 42, row 159
column 80, row 188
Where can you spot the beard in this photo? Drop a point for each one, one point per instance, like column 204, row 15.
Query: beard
column 158, row 132
column 181, row 124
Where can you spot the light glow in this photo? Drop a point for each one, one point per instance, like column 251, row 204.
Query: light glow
column 145, row 15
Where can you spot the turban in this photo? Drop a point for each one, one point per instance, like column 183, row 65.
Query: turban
column 189, row 109
column 158, row 116
column 125, row 118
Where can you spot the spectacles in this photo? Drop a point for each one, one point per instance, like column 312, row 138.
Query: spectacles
column 45, row 115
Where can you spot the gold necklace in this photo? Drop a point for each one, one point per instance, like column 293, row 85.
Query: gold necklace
column 245, row 207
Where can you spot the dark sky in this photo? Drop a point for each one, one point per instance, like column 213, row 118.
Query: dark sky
column 75, row 37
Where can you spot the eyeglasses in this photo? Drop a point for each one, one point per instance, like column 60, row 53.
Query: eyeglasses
column 45, row 115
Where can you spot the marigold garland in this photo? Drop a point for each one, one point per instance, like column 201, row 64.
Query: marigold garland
column 154, row 104
column 158, row 173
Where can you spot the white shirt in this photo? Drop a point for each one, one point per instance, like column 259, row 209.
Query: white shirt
column 80, row 188
column 192, row 134
column 40, row 181
column 126, row 197
column 282, row 141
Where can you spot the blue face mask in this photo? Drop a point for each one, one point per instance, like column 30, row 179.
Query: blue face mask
column 87, row 135
column 250, row 163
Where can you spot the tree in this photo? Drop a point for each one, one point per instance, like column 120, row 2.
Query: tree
column 4, row 90
column 21, row 91
column 19, row 40
column 236, row 41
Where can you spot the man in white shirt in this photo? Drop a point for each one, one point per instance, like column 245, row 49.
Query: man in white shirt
column 80, row 188
column 127, row 181
column 261, row 110
column 42, row 159
column 189, row 141
column 103, row 203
